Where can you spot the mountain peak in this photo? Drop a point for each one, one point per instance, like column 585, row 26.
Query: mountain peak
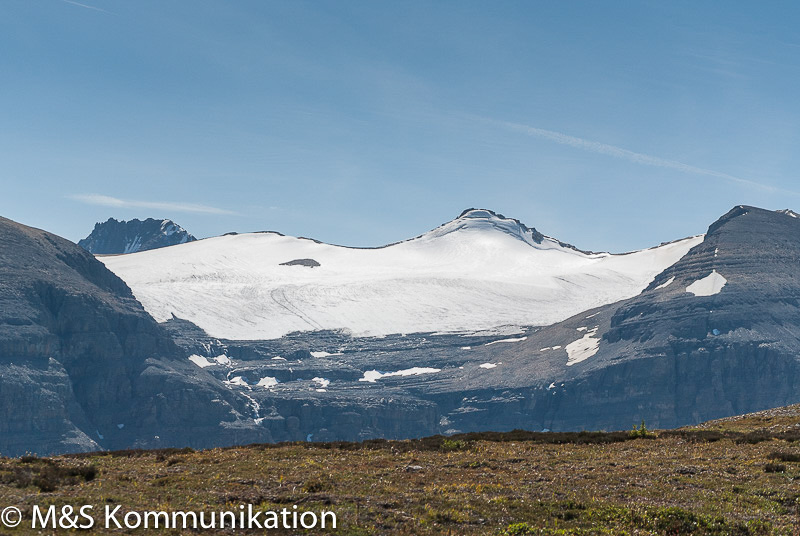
column 765, row 220
column 115, row 236
column 483, row 219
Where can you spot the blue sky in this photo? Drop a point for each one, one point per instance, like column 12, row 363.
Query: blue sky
column 610, row 125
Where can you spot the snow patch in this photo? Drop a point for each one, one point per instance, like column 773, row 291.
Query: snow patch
column 223, row 359
column 322, row 382
column 236, row 380
column 519, row 339
column 466, row 347
column 488, row 365
column 268, row 381
column 583, row 348
column 708, row 286
column 666, row 283
column 372, row 376
column 324, row 354
column 200, row 361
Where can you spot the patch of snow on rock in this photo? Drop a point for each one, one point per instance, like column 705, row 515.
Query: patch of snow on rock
column 373, row 375
column 236, row 380
column 200, row 361
column 583, row 348
column 708, row 286
column 324, row 354
column 519, row 339
column 488, row 365
column 666, row 283
column 268, row 381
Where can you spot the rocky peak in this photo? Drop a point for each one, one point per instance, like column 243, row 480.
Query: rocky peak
column 115, row 237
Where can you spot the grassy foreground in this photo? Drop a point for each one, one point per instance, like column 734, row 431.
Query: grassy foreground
column 736, row 476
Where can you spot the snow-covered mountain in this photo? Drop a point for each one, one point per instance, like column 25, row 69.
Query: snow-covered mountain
column 479, row 271
column 115, row 237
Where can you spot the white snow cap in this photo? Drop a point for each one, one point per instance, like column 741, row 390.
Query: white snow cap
column 476, row 272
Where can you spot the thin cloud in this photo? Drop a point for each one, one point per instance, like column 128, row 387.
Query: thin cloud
column 108, row 201
column 631, row 156
column 84, row 5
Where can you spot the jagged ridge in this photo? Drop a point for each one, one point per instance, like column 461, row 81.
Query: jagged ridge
column 117, row 237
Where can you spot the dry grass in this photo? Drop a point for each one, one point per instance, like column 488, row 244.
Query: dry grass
column 681, row 482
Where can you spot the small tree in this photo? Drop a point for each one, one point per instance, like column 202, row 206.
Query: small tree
column 640, row 431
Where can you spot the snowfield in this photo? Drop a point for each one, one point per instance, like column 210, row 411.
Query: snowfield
column 478, row 271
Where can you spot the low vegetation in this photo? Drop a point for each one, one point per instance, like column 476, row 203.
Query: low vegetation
column 723, row 479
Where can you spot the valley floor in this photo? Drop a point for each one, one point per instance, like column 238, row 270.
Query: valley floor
column 735, row 476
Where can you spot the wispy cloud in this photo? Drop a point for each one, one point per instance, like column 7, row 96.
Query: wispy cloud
column 108, row 201
column 84, row 5
column 631, row 156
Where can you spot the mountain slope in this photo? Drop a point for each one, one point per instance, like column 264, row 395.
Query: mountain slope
column 478, row 271
column 715, row 334
column 116, row 237
column 83, row 366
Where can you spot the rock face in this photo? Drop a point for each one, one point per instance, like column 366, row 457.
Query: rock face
column 309, row 263
column 116, row 237
column 83, row 366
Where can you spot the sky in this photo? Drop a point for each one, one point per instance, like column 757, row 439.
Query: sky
column 613, row 126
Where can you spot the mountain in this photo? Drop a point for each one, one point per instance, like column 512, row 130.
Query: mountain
column 715, row 334
column 479, row 271
column 115, row 237
column 693, row 330
column 84, row 367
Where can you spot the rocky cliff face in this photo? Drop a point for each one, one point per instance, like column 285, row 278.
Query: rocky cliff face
column 115, row 237
column 82, row 366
